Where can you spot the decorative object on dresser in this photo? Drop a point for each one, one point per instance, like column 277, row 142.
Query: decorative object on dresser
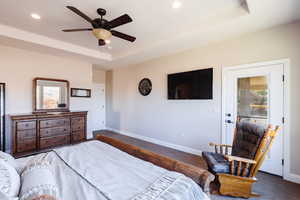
column 2, row 116
column 236, row 172
column 79, row 92
column 50, row 95
column 145, row 87
column 33, row 133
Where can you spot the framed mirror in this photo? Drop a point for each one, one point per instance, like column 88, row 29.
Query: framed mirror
column 50, row 95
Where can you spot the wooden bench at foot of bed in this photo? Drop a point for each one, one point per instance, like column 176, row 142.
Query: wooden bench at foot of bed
column 200, row 176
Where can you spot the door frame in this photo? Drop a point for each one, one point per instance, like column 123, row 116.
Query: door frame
column 286, row 106
column 3, row 135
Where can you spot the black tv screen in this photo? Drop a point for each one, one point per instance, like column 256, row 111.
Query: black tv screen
column 191, row 85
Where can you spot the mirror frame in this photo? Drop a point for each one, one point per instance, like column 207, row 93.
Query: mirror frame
column 50, row 110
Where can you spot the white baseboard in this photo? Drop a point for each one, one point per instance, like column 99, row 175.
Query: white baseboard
column 159, row 142
column 293, row 178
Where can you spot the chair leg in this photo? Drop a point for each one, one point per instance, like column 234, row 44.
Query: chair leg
column 236, row 186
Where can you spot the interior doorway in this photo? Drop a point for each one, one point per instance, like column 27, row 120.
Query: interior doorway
column 98, row 105
column 256, row 93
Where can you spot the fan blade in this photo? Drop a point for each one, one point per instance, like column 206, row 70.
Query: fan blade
column 81, row 14
column 123, row 36
column 124, row 19
column 79, row 29
column 101, row 42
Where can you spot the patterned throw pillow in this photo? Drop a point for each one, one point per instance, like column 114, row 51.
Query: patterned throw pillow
column 4, row 197
column 11, row 161
column 9, row 180
column 38, row 182
column 8, row 158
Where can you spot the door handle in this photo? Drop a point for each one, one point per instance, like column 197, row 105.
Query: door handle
column 229, row 122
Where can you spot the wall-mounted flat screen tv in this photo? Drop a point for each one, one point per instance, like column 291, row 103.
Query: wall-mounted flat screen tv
column 191, row 85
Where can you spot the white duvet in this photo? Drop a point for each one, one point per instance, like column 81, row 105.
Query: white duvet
column 97, row 171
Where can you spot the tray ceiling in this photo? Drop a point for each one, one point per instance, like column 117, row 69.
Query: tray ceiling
column 159, row 28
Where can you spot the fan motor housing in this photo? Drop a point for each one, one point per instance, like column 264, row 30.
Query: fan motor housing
column 101, row 11
column 102, row 23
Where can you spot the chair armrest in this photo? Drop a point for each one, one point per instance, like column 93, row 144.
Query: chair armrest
column 219, row 148
column 241, row 169
column 224, row 145
column 239, row 159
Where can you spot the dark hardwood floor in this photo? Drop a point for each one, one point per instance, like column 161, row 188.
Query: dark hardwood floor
column 270, row 187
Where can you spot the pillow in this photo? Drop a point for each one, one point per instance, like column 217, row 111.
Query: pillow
column 8, row 158
column 9, row 180
column 4, row 197
column 38, row 182
column 11, row 161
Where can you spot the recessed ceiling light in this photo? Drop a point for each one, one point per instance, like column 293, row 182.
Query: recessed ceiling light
column 35, row 16
column 176, row 4
column 107, row 41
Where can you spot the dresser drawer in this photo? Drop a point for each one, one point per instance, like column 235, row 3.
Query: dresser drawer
column 78, row 127
column 55, row 141
column 78, row 136
column 77, row 120
column 54, row 123
column 26, row 145
column 26, row 134
column 49, row 132
column 26, row 125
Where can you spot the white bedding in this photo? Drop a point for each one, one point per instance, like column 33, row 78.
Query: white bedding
column 98, row 171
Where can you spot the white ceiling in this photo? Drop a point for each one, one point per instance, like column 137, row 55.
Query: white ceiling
column 160, row 29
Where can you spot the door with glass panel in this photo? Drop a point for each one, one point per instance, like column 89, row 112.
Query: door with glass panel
column 256, row 95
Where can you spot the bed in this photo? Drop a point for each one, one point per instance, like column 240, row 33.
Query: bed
column 98, row 171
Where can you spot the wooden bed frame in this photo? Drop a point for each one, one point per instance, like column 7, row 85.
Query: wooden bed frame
column 200, row 176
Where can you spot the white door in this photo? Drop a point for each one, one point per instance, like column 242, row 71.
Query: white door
column 98, row 106
column 256, row 94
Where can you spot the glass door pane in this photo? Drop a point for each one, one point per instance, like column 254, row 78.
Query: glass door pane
column 253, row 99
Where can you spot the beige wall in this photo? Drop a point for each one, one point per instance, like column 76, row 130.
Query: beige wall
column 196, row 123
column 19, row 67
column 98, row 75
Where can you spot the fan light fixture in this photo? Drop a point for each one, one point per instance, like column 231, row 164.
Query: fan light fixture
column 35, row 16
column 102, row 34
column 102, row 28
column 176, row 4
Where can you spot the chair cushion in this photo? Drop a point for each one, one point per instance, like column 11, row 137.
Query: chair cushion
column 216, row 162
column 248, row 139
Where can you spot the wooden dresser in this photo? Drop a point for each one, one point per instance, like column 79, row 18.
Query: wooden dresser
column 37, row 132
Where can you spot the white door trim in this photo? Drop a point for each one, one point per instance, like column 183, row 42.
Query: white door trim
column 286, row 130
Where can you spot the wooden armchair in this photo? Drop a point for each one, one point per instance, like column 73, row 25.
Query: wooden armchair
column 236, row 171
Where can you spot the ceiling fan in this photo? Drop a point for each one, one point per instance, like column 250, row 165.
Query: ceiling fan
column 102, row 28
